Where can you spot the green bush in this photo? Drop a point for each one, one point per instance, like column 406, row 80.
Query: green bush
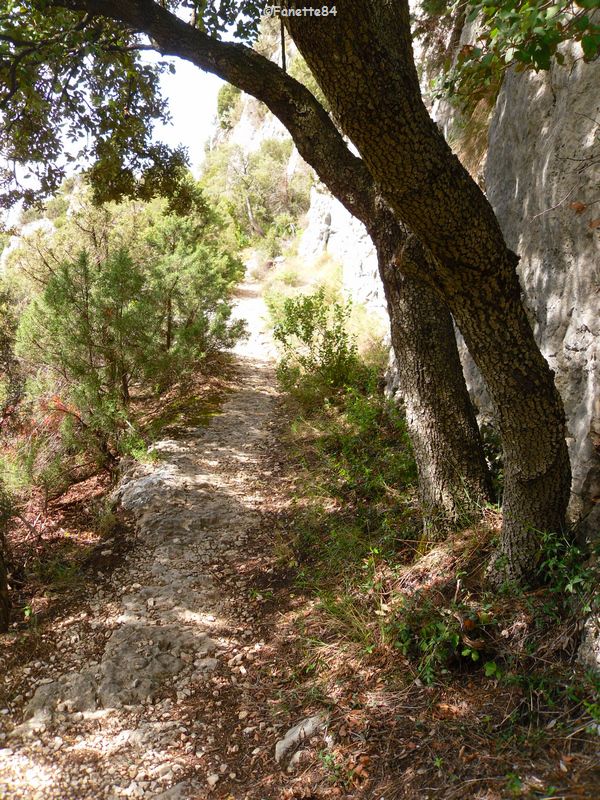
column 123, row 298
column 319, row 357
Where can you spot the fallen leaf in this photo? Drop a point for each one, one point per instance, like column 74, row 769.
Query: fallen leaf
column 578, row 207
column 595, row 223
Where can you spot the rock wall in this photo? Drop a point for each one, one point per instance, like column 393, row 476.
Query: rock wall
column 542, row 176
column 333, row 230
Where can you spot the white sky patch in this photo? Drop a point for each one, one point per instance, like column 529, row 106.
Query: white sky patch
column 192, row 98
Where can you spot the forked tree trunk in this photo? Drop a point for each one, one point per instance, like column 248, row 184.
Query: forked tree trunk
column 454, row 479
column 362, row 60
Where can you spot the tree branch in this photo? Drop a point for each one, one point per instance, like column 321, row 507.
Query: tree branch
column 316, row 137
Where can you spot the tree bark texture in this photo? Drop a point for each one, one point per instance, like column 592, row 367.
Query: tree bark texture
column 452, row 470
column 454, row 478
column 362, row 59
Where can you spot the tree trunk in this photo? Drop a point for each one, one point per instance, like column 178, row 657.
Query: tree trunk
column 169, row 324
column 125, row 397
column 362, row 59
column 454, row 480
column 254, row 226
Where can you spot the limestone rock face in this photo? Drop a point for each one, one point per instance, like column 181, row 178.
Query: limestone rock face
column 542, row 177
column 333, row 230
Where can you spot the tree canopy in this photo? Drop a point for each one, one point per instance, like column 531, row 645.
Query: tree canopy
column 76, row 87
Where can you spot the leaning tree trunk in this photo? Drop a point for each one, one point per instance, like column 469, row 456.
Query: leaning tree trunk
column 362, row 60
column 454, row 480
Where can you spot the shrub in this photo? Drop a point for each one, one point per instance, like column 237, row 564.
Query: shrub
column 144, row 299
column 319, row 356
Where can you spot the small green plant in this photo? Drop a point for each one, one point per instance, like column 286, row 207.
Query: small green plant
column 106, row 521
column 59, row 573
column 565, row 569
column 320, row 359
column 492, row 670
column 29, row 615
column 420, row 629
column 514, row 784
column 121, row 297
column 335, row 771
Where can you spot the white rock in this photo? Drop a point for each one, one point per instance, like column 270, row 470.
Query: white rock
column 303, row 730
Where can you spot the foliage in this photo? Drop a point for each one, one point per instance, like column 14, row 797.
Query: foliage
column 360, row 471
column 10, row 378
column 255, row 191
column 568, row 571
column 124, row 296
column 421, row 630
column 526, row 33
column 227, row 101
column 87, row 86
column 358, row 463
column 300, row 70
column 319, row 357
column 70, row 76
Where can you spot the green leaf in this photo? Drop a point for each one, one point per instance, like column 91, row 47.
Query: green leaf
column 590, row 45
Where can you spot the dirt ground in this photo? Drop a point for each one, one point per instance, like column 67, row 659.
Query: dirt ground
column 183, row 665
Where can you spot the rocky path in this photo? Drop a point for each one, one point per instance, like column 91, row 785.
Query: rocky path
column 143, row 675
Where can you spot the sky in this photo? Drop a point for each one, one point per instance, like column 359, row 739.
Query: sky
column 192, row 97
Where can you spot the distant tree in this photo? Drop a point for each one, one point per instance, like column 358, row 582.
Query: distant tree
column 254, row 188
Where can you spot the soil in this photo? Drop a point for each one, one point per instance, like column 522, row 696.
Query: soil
column 178, row 671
